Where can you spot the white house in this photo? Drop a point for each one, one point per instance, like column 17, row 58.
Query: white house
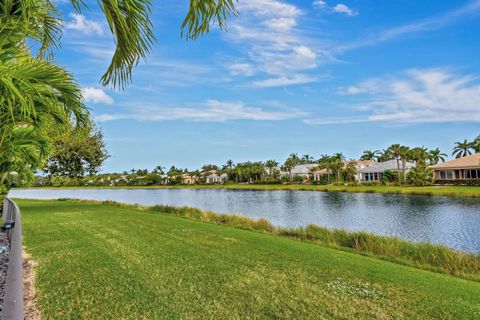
column 216, row 178
column 301, row 170
column 375, row 171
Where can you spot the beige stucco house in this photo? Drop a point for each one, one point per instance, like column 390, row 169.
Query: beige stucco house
column 466, row 168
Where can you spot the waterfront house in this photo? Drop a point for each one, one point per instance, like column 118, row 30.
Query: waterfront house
column 375, row 171
column 188, row 179
column 465, row 168
column 215, row 178
column 359, row 164
column 301, row 170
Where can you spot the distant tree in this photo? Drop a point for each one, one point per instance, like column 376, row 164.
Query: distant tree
column 463, row 148
column 77, row 152
column 271, row 165
column 306, row 158
column 476, row 144
column 348, row 173
column 159, row 170
column 209, row 167
column 395, row 151
column 229, row 164
column 435, row 156
column 294, row 157
column 385, row 155
column 289, row 164
column 370, row 155
column 174, row 171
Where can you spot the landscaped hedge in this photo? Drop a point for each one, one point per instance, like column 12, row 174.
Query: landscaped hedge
column 473, row 182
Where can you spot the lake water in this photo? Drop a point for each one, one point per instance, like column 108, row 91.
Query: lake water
column 454, row 222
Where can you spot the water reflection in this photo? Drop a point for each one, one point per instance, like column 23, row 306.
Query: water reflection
column 450, row 221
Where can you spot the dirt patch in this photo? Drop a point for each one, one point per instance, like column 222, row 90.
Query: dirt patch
column 29, row 293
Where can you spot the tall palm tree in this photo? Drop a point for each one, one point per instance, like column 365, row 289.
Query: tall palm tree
column 419, row 155
column 229, row 164
column 476, row 144
column 159, row 170
column 128, row 20
column 306, row 158
column 384, row 155
column 435, row 156
column 294, row 157
column 395, row 150
column 462, row 148
column 370, row 155
column 270, row 165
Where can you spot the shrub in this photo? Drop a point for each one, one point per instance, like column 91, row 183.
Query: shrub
column 473, row 182
column 389, row 176
column 420, row 176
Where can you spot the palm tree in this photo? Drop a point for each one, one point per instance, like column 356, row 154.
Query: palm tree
column 23, row 150
column 419, row 156
column 435, row 156
column 384, row 155
column 159, row 170
column 270, row 165
column 476, row 144
column 306, row 158
column 38, row 97
column 370, row 155
column 462, row 148
column 395, row 150
column 294, row 157
column 128, row 20
column 289, row 164
column 404, row 155
column 229, row 164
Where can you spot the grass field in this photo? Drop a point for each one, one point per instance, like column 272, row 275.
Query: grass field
column 455, row 191
column 105, row 262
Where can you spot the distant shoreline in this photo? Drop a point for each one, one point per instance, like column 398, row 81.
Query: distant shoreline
column 451, row 191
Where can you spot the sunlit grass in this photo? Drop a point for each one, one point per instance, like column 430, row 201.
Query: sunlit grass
column 98, row 261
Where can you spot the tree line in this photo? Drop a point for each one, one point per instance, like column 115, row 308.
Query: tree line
column 72, row 166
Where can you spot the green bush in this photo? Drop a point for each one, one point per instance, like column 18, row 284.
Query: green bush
column 389, row 176
column 420, row 176
column 473, row 182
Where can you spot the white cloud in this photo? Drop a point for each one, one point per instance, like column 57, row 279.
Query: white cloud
column 342, row 8
column 80, row 23
column 284, row 81
column 274, row 47
column 242, row 69
column 96, row 95
column 319, row 4
column 416, row 96
column 209, row 111
column 423, row 25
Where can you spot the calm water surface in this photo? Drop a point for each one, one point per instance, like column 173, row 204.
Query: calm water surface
column 454, row 222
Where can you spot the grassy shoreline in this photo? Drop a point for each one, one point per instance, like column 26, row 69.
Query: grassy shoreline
column 452, row 191
column 99, row 261
column 425, row 256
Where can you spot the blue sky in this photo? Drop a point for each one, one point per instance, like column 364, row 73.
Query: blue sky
column 310, row 77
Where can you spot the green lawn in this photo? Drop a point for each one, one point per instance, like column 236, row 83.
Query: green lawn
column 105, row 262
column 461, row 191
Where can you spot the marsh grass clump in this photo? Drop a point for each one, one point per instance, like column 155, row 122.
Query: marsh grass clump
column 424, row 255
column 210, row 216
